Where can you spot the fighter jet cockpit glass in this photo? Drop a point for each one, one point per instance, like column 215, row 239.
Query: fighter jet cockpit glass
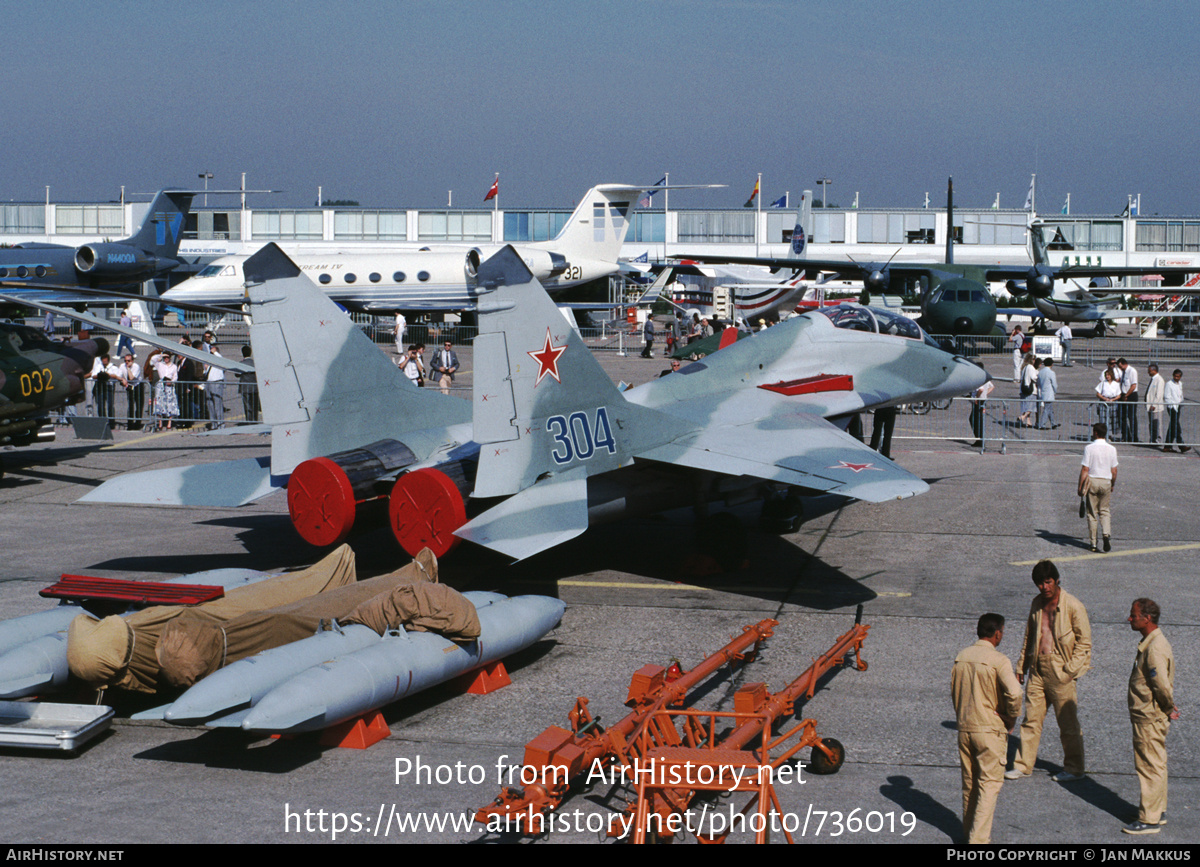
column 873, row 320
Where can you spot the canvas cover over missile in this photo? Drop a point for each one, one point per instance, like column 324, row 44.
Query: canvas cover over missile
column 223, row 698
column 33, row 648
column 194, row 645
column 122, row 653
column 397, row 666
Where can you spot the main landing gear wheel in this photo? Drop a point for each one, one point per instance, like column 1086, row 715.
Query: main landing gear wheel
column 820, row 763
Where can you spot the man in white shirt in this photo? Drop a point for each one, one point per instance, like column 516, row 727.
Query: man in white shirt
column 214, row 391
column 1097, row 479
column 1173, row 400
column 135, row 392
column 398, row 331
column 1129, row 390
column 1064, row 339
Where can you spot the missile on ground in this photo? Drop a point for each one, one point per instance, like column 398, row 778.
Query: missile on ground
column 398, row 666
column 241, row 684
column 19, row 630
column 37, row 664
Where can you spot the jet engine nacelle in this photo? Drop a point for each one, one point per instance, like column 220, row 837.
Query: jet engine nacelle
column 1102, row 283
column 364, row 487
column 543, row 264
column 113, row 262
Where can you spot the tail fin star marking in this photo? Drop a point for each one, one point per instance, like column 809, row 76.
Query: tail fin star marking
column 547, row 359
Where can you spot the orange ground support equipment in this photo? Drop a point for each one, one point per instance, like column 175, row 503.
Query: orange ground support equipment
column 659, row 729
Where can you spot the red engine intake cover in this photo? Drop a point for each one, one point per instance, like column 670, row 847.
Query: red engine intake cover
column 424, row 509
column 321, row 502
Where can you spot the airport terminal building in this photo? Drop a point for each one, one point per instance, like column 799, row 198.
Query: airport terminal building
column 981, row 235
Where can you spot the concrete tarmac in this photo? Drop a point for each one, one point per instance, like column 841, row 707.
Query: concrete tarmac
column 924, row 569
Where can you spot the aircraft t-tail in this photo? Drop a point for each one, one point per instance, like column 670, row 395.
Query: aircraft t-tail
column 441, row 277
column 548, row 443
column 57, row 270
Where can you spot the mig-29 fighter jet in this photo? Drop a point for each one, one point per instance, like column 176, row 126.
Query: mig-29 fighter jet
column 549, row 443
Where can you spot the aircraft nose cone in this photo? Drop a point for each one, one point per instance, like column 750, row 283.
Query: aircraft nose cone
column 966, row 375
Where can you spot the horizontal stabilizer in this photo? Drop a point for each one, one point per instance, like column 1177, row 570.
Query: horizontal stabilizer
column 228, row 483
column 549, row 513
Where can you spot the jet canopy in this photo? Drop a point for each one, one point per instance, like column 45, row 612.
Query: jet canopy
column 855, row 317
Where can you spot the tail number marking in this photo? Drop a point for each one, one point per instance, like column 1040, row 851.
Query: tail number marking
column 576, row 437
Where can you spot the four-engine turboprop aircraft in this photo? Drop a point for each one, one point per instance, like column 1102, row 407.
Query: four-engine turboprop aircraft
column 549, row 444
column 444, row 276
column 1072, row 302
column 53, row 269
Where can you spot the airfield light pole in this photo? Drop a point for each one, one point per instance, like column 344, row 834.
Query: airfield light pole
column 207, row 176
column 824, row 184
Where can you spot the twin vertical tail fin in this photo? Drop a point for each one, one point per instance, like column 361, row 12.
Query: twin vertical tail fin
column 546, row 416
column 325, row 387
column 542, row 403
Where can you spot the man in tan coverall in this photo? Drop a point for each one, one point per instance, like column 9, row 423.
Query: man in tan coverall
column 987, row 701
column 1151, row 709
column 1057, row 652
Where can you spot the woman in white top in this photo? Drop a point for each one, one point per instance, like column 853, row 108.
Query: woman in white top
column 1109, row 392
column 1028, row 390
column 166, row 404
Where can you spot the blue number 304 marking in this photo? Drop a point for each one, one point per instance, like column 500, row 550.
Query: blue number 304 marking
column 575, row 437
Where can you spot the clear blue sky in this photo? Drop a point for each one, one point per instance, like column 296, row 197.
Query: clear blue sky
column 394, row 103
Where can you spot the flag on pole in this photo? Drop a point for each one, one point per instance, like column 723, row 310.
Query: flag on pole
column 1029, row 195
column 781, row 202
column 753, row 195
column 1066, row 208
column 644, row 201
column 495, row 190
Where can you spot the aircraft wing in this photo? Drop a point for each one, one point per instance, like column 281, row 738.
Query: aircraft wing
column 166, row 344
column 760, row 433
column 843, row 268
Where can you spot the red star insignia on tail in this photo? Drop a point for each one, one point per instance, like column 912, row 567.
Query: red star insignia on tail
column 547, row 359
